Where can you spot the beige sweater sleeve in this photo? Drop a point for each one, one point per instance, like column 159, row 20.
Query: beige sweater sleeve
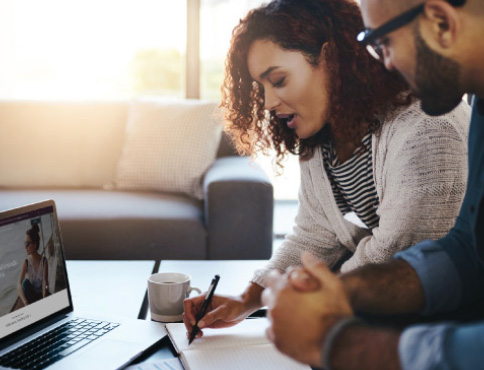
column 420, row 174
column 312, row 232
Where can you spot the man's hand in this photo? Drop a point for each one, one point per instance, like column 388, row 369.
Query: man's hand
column 301, row 319
column 301, row 279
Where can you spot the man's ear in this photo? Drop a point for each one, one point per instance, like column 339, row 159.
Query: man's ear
column 440, row 24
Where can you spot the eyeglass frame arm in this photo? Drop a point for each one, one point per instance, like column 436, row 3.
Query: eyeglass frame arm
column 370, row 35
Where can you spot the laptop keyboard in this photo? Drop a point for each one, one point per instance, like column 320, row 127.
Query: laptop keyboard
column 56, row 344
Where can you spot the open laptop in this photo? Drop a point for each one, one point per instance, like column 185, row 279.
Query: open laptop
column 38, row 326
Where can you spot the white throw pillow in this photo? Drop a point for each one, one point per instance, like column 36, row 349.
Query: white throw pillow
column 169, row 146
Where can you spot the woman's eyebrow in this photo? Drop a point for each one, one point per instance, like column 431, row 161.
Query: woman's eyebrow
column 264, row 74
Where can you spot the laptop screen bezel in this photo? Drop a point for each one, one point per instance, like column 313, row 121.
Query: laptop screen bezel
column 58, row 315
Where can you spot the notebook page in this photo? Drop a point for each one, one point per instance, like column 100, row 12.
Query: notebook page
column 251, row 331
column 165, row 364
column 258, row 357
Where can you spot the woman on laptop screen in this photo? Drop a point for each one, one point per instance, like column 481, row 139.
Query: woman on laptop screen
column 297, row 81
column 34, row 287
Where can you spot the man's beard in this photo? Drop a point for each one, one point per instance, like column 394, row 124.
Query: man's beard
column 436, row 79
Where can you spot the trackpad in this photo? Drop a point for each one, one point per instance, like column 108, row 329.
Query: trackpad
column 107, row 354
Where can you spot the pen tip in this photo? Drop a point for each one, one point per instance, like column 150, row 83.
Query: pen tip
column 192, row 337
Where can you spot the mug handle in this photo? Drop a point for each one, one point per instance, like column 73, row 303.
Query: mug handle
column 191, row 289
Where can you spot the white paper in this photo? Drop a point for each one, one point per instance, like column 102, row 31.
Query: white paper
column 248, row 332
column 243, row 346
column 258, row 357
column 170, row 364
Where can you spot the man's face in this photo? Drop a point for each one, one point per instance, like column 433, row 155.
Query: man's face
column 436, row 80
column 432, row 77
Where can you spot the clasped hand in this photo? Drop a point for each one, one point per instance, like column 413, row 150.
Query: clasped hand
column 303, row 305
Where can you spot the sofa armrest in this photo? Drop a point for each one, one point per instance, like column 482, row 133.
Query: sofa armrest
column 238, row 210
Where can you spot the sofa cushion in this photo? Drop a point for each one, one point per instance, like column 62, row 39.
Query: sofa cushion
column 169, row 146
column 97, row 224
column 60, row 144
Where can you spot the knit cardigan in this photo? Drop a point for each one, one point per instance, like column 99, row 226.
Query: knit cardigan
column 420, row 171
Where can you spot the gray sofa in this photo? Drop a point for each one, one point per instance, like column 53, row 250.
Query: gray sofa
column 233, row 221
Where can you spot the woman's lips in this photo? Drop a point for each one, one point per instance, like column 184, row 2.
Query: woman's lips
column 290, row 119
column 291, row 122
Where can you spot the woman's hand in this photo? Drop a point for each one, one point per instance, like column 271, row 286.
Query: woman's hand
column 223, row 311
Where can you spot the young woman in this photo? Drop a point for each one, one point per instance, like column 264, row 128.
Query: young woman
column 298, row 81
column 34, row 287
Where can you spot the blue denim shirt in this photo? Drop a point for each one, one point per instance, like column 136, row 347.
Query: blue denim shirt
column 451, row 271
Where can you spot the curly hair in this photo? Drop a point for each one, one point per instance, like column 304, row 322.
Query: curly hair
column 361, row 88
column 33, row 234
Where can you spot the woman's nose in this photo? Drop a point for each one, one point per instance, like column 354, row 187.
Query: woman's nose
column 271, row 101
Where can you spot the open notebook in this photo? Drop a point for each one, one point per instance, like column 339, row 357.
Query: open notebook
column 243, row 346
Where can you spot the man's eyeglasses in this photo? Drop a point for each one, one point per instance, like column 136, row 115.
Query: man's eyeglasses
column 371, row 37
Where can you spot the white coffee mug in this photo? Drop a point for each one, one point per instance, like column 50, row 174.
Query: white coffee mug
column 166, row 293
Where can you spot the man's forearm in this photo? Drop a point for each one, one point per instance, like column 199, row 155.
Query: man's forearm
column 362, row 347
column 389, row 288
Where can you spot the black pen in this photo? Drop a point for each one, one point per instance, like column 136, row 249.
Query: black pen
column 203, row 311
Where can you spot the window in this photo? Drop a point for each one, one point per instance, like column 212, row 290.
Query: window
column 92, row 48
column 217, row 20
column 118, row 49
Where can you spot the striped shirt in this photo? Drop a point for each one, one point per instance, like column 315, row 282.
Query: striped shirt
column 352, row 182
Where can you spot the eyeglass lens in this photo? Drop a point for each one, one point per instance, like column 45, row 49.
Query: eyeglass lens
column 375, row 51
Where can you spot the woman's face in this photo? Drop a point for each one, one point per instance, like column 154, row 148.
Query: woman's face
column 293, row 88
column 30, row 246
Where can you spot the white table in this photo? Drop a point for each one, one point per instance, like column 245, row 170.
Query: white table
column 119, row 287
column 234, row 275
column 115, row 288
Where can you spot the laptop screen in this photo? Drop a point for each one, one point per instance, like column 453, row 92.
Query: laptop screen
column 33, row 281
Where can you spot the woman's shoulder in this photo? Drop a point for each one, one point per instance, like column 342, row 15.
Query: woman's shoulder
column 411, row 119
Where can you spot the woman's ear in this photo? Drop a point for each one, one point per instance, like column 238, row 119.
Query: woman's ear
column 326, row 52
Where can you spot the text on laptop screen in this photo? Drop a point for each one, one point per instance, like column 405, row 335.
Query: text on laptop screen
column 32, row 270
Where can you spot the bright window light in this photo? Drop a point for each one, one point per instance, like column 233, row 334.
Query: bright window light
column 217, row 20
column 65, row 49
column 118, row 49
